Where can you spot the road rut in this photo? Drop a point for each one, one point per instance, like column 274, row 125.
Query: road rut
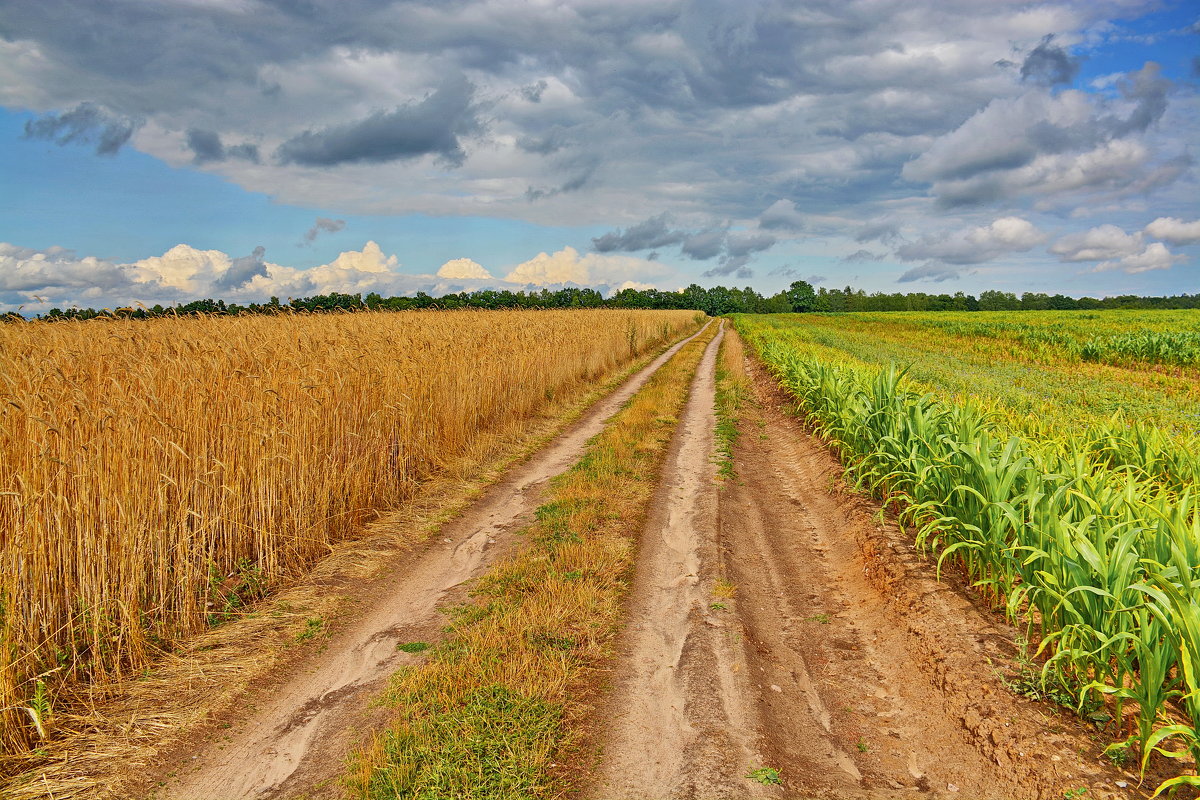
column 841, row 662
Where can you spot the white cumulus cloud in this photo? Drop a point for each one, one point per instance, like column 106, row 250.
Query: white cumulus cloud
column 592, row 269
column 1174, row 230
column 1154, row 256
column 975, row 245
column 1098, row 244
column 183, row 267
column 1115, row 249
column 463, row 268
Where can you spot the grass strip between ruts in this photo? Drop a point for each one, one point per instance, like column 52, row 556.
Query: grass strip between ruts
column 500, row 704
column 732, row 389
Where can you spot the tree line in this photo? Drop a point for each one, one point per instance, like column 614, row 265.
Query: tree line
column 714, row 301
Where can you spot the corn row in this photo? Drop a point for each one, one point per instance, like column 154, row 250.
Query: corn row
column 1094, row 554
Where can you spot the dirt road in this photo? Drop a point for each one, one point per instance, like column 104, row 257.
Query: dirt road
column 840, row 662
column 297, row 732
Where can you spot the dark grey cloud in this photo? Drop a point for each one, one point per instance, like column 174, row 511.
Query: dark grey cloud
column 1049, row 64
column 795, row 273
column 573, row 184
column 859, row 256
column 932, row 272
column 782, row 215
column 88, row 124
column 883, row 231
column 431, row 127
column 544, row 144
column 730, row 265
column 242, row 270
column 705, row 245
column 1148, row 89
column 533, row 92
column 743, row 244
column 206, row 146
column 655, row 232
column 323, row 224
column 735, row 248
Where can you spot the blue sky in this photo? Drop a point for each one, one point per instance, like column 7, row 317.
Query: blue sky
column 162, row 152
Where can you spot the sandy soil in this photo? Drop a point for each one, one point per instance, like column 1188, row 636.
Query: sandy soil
column 290, row 737
column 841, row 662
column 681, row 712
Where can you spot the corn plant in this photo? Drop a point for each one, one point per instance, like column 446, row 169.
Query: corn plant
column 1094, row 540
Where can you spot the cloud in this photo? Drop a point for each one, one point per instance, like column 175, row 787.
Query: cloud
column 572, row 184
column 242, row 270
column 760, row 116
column 183, row 273
column 932, row 272
column 430, row 127
column 735, row 249
column 1116, row 249
column 183, row 268
column 859, row 256
column 1049, row 64
column 323, row 224
column 1154, row 256
column 591, row 269
column 704, row 245
column 55, row 270
column 650, row 234
column 1044, row 143
column 884, row 231
column 782, row 215
column 976, row 245
column 1174, row 230
column 786, row 271
column 730, row 265
column 87, row 123
column 206, row 146
column 463, row 268
column 1098, row 244
column 743, row 244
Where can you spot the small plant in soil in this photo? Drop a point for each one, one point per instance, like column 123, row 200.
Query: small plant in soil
column 821, row 618
column 312, row 627
column 718, row 606
column 724, row 589
column 767, row 776
column 862, row 746
column 413, row 647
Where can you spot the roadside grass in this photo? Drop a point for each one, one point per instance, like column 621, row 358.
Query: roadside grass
column 498, row 706
column 731, row 391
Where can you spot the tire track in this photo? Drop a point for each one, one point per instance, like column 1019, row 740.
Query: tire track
column 681, row 721
column 841, row 662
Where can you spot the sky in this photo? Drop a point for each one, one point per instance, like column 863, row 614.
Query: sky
column 159, row 151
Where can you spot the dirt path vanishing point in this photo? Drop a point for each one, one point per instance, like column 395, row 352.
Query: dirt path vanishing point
column 841, row 662
column 295, row 739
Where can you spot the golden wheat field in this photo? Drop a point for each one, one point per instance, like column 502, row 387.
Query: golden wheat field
column 155, row 476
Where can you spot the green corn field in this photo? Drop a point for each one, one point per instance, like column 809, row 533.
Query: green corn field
column 1076, row 514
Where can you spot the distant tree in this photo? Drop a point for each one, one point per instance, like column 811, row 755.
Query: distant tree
column 802, row 297
column 993, row 300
